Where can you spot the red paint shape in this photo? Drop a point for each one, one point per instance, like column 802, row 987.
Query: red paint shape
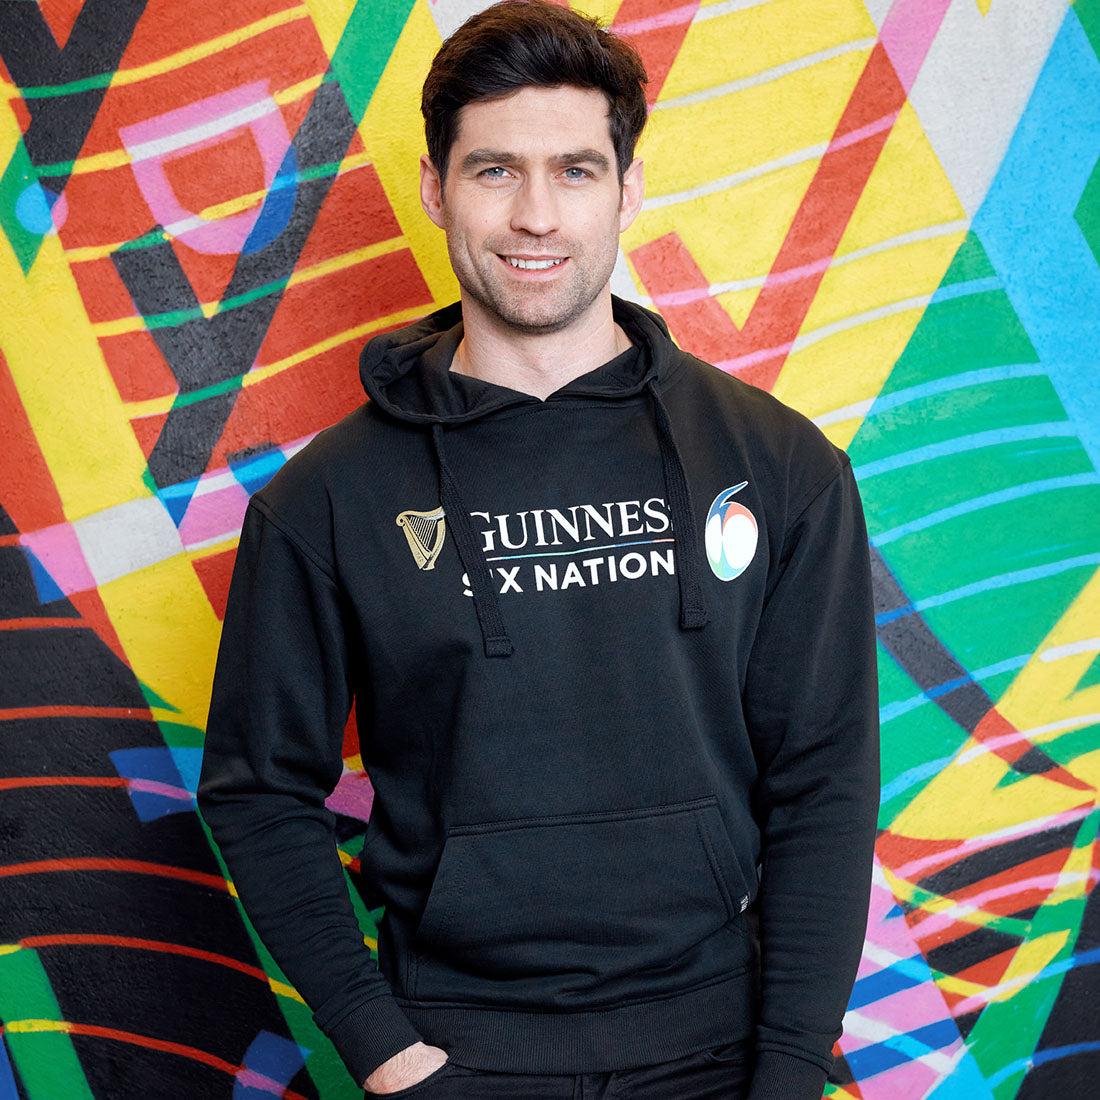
column 355, row 214
column 701, row 326
column 757, row 352
column 351, row 735
column 60, row 15
column 105, row 296
column 659, row 43
column 294, row 403
column 218, row 172
column 32, row 501
column 133, row 866
column 215, row 573
column 147, row 431
column 878, row 92
column 137, row 367
column 165, row 29
column 989, row 972
column 313, row 311
column 994, row 726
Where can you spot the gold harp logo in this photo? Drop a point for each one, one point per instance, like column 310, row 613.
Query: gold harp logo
column 425, row 532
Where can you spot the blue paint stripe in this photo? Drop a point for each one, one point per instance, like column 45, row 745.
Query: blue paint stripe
column 1026, row 225
column 1041, row 1057
column 895, row 710
column 989, row 500
column 963, row 443
column 963, row 290
column 950, row 383
column 1002, row 580
column 8, row 1091
column 879, row 1057
column 883, row 983
column 912, row 776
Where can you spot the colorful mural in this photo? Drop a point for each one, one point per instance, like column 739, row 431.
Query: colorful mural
column 887, row 212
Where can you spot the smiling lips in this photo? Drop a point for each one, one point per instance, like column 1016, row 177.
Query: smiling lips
column 532, row 265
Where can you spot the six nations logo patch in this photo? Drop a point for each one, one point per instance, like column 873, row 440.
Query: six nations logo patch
column 731, row 535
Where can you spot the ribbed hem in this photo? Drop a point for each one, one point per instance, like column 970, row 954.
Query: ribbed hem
column 594, row 1041
column 370, row 1034
column 784, row 1077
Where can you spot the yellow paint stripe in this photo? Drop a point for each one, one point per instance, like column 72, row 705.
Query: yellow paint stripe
column 120, row 158
column 281, row 989
column 301, row 275
column 158, row 405
column 182, row 58
column 27, row 1026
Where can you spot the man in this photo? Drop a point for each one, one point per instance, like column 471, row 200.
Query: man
column 602, row 715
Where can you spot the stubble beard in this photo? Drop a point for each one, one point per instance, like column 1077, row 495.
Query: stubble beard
column 534, row 308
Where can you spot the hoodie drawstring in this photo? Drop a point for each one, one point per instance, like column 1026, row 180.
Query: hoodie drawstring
column 693, row 613
column 486, row 606
column 494, row 634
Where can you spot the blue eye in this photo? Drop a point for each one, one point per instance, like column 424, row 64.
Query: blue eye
column 494, row 173
column 575, row 173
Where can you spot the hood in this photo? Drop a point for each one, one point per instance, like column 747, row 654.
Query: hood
column 407, row 372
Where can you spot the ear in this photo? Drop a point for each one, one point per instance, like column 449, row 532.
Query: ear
column 431, row 190
column 633, row 193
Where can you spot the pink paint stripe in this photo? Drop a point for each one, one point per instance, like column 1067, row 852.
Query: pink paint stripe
column 152, row 786
column 740, row 362
column 250, row 1079
column 794, row 274
column 672, row 18
column 854, row 137
column 213, row 515
column 681, row 297
column 907, row 35
column 912, row 869
column 964, row 908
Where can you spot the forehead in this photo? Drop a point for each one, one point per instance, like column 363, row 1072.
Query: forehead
column 537, row 119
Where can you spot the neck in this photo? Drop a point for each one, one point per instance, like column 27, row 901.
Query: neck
column 537, row 363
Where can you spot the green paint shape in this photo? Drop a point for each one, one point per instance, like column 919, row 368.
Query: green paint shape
column 1088, row 12
column 45, row 1060
column 1091, row 677
column 369, row 37
column 1087, row 213
column 155, row 700
column 1015, row 1024
column 18, row 176
column 969, row 262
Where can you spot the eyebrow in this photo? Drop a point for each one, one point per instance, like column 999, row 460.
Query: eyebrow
column 478, row 158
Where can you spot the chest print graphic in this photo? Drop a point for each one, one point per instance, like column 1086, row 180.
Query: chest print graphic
column 731, row 535
column 425, row 532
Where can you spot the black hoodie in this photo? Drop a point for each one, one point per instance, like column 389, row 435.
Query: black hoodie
column 601, row 714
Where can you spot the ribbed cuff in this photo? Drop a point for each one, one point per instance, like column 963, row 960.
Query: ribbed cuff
column 783, row 1077
column 370, row 1034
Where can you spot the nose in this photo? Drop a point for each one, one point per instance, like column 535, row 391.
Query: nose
column 535, row 207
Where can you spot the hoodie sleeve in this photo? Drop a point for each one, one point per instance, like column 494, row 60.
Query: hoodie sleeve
column 273, row 754
column 811, row 702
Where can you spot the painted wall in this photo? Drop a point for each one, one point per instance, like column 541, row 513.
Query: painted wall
column 888, row 213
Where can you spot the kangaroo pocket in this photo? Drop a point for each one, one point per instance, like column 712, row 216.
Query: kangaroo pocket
column 579, row 910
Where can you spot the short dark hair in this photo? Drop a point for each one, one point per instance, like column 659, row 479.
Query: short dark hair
column 532, row 44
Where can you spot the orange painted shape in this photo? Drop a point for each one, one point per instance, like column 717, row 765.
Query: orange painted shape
column 60, row 15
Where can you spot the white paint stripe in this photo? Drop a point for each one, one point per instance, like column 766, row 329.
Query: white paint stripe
column 799, row 156
column 848, row 412
column 727, row 7
column 928, row 233
column 765, row 76
column 1070, row 649
column 805, row 339
column 861, row 1026
column 194, row 134
column 1022, row 735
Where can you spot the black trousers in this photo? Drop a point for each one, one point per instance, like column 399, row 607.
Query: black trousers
column 720, row 1074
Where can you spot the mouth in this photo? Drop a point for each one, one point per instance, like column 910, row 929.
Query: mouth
column 530, row 263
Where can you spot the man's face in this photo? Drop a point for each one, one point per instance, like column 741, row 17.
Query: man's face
column 533, row 208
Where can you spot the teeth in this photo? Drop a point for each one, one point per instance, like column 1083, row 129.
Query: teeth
column 533, row 265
